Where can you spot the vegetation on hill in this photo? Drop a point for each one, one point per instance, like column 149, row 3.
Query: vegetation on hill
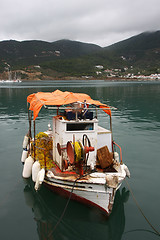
column 138, row 54
column 141, row 51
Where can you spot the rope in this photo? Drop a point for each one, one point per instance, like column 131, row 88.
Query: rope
column 62, row 215
column 78, row 151
column 141, row 230
column 154, row 229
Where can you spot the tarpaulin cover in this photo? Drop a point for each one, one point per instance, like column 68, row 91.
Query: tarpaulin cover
column 59, row 98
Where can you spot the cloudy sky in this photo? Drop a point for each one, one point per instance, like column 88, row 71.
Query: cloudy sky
column 101, row 22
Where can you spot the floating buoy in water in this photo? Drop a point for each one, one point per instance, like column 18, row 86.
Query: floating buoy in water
column 25, row 141
column 40, row 179
column 24, row 155
column 27, row 169
column 35, row 169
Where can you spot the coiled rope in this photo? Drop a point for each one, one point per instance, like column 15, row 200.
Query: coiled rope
column 154, row 229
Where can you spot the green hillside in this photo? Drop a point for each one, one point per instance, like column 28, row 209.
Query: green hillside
column 39, row 51
column 62, row 58
column 141, row 51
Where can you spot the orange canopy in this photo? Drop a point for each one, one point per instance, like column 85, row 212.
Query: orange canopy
column 58, row 98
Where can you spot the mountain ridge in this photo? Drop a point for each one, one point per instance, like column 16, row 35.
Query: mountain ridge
column 74, row 58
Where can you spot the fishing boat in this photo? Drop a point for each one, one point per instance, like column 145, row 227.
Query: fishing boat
column 75, row 157
column 11, row 81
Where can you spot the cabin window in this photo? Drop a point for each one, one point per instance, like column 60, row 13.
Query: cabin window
column 80, row 126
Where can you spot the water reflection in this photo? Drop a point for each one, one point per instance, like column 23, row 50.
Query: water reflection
column 137, row 101
column 79, row 221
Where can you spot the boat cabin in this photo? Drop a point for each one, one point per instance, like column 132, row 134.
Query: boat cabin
column 65, row 130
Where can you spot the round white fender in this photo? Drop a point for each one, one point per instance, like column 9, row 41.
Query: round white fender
column 25, row 141
column 127, row 171
column 116, row 156
column 27, row 169
column 24, row 155
column 40, row 179
column 35, row 169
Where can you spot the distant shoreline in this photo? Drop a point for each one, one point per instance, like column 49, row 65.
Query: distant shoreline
column 108, row 79
column 89, row 79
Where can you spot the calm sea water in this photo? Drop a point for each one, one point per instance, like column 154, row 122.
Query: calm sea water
column 136, row 127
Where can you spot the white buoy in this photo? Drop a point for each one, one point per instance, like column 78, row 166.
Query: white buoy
column 35, row 169
column 27, row 169
column 40, row 179
column 24, row 155
column 127, row 171
column 25, row 141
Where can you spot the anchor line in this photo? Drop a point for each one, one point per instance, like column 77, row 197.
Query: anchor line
column 138, row 206
column 140, row 230
column 65, row 208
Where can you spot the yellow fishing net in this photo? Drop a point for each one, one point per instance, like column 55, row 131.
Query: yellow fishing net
column 43, row 150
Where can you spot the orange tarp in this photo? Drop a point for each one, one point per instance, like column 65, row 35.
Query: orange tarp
column 58, row 98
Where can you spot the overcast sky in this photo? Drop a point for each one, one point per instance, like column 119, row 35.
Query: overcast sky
column 101, row 22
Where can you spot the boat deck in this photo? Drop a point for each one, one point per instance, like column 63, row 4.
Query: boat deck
column 73, row 173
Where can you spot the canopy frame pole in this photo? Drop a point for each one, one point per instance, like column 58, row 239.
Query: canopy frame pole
column 111, row 134
column 96, row 112
column 34, row 124
column 30, row 125
column 89, row 108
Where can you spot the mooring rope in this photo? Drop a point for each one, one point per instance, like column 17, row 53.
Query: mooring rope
column 65, row 208
column 154, row 229
column 140, row 230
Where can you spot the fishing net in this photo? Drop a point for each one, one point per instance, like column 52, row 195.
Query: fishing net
column 43, row 150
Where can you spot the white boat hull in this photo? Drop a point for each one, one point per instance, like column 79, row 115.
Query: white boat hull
column 90, row 191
